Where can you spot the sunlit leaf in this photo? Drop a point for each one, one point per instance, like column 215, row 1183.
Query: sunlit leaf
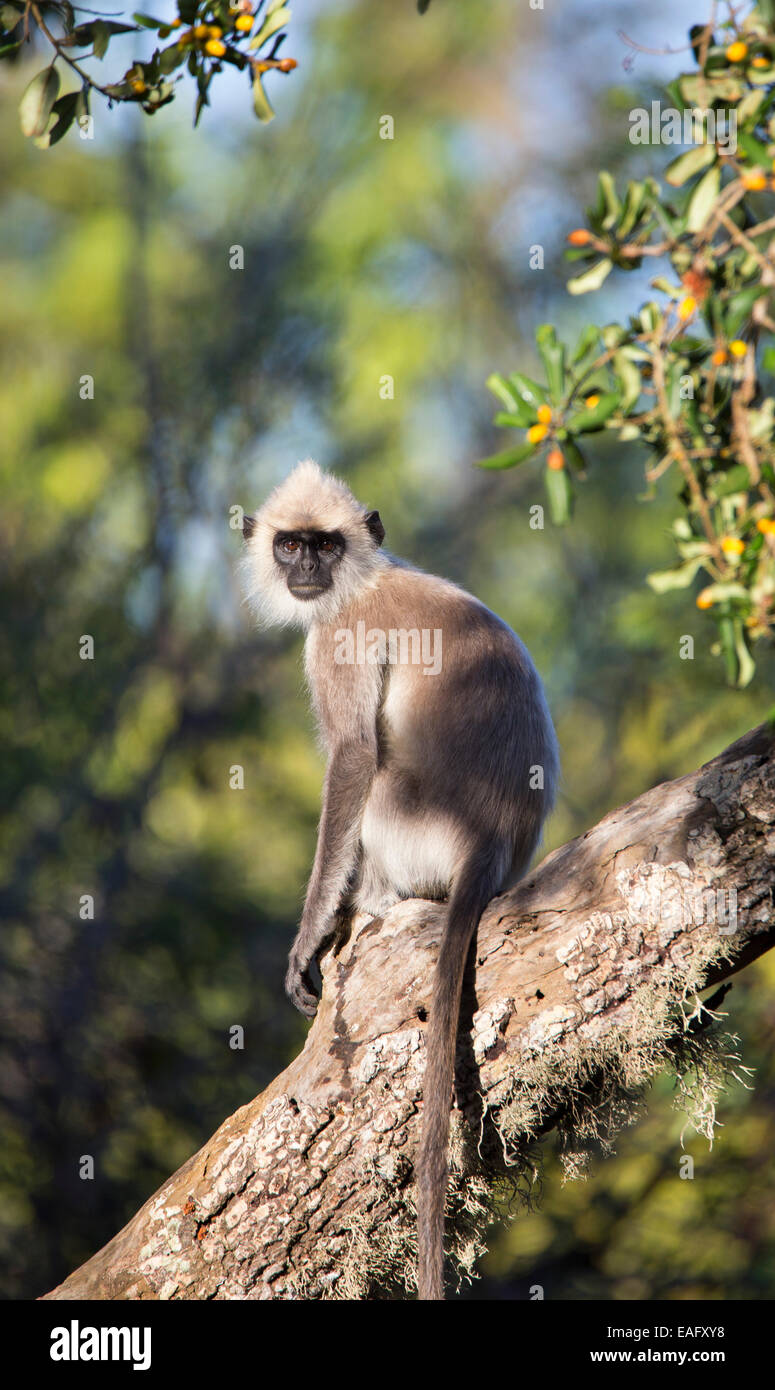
column 277, row 17
column 592, row 279
column 261, row 104
column 686, row 165
column 553, row 357
column 37, row 102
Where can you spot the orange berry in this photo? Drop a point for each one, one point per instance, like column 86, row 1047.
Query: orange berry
column 766, row 524
column 732, row 545
column 579, row 236
column 201, row 31
column 536, row 433
column 544, row 414
column 138, row 85
column 287, row 64
column 754, row 180
column 705, row 599
column 760, row 61
column 555, row 460
column 215, row 48
column 737, row 52
column 738, row 348
column 687, row 307
column 244, row 23
column 719, row 357
column 592, row 401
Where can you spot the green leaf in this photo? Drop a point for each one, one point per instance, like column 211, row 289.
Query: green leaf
column 37, row 102
column 588, row 340
column 102, row 35
column 686, row 165
column 59, row 122
column 739, row 308
column 510, row 419
column 147, row 21
column 661, row 581
column 574, row 455
column 9, row 17
column 261, row 104
column 611, row 203
column 756, row 153
column 749, row 107
column 553, row 358
column 612, row 334
column 697, row 92
column 702, row 199
column 737, row 479
column 509, row 457
column 82, row 105
column 727, row 635
column 277, row 17
column 746, row 663
column 84, row 34
column 592, row 279
column 633, row 202
column 723, row 593
column 761, row 422
column 661, row 282
column 171, row 57
column 528, row 391
column 649, row 316
column 559, row 491
column 516, row 405
column 630, row 379
column 761, row 77
column 595, row 417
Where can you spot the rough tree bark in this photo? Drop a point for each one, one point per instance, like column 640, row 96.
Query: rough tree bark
column 584, row 986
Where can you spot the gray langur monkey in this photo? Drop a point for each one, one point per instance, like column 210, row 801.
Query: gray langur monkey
column 438, row 779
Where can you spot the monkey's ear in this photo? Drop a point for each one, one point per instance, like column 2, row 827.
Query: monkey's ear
column 248, row 526
column 374, row 527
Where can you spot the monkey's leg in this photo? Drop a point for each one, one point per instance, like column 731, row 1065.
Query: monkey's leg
column 373, row 891
column 349, row 774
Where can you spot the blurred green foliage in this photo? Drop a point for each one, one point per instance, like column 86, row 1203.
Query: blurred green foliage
column 362, row 257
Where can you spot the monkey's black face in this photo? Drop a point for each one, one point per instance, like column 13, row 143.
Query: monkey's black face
column 309, row 559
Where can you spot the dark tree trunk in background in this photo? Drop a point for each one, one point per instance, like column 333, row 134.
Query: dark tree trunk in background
column 585, row 985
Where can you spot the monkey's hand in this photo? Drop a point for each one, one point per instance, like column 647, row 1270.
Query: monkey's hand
column 308, row 947
column 298, row 983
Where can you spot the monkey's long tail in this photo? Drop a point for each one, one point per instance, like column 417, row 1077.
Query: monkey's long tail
column 475, row 885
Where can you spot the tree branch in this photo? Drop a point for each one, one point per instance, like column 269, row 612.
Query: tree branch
column 585, row 986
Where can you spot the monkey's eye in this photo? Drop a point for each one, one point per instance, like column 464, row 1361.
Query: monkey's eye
column 328, row 547
column 290, row 546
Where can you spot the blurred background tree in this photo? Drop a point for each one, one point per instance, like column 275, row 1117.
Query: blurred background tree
column 363, row 258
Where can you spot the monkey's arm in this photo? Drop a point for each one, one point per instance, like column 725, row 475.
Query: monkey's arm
column 351, row 767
